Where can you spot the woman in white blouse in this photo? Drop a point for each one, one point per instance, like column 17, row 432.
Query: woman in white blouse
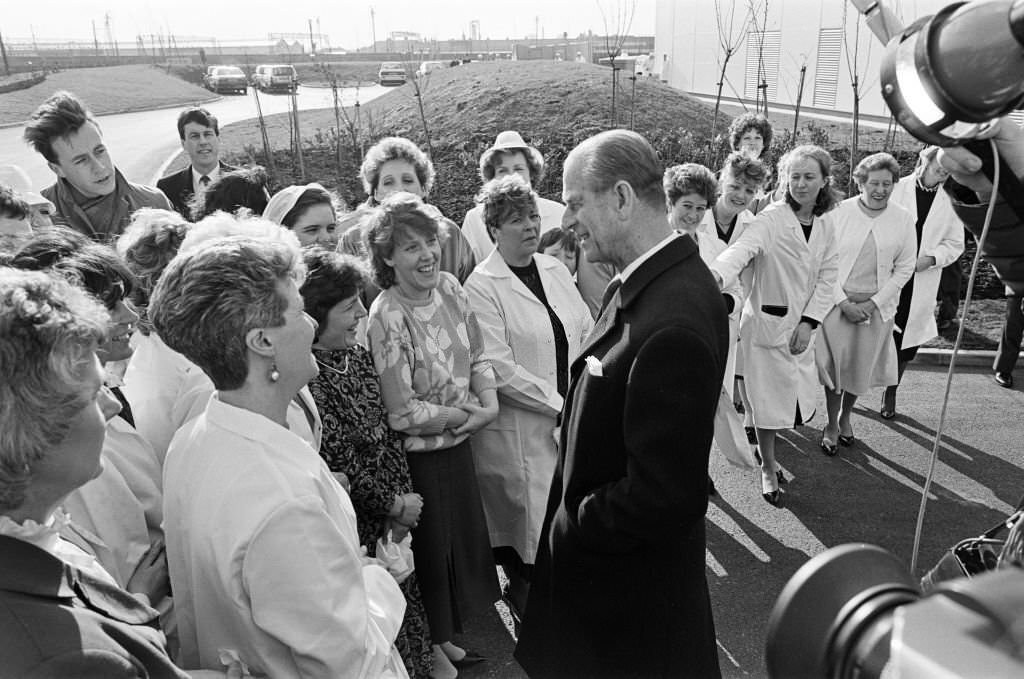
column 877, row 253
column 533, row 320
column 740, row 182
column 264, row 556
column 689, row 189
column 792, row 250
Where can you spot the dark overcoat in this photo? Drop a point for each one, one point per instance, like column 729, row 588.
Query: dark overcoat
column 619, row 587
column 57, row 622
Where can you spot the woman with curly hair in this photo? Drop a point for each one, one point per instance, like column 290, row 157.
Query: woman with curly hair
column 232, row 191
column 533, row 322
column 155, row 373
column 751, row 134
column 391, row 165
column 689, row 189
column 262, row 542
column 791, row 247
column 439, row 389
column 357, row 440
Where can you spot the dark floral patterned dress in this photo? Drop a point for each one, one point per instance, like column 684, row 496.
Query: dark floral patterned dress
column 358, row 442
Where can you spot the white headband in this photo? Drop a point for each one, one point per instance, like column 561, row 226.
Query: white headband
column 284, row 200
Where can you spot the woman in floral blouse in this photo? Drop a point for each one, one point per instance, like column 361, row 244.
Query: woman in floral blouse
column 357, row 440
column 438, row 389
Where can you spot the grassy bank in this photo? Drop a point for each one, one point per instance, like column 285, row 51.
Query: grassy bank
column 105, row 90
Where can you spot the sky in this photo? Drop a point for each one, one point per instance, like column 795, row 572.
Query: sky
column 346, row 22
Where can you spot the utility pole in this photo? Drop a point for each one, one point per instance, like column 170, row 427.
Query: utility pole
column 312, row 43
column 373, row 30
column 110, row 35
column 3, row 51
column 95, row 40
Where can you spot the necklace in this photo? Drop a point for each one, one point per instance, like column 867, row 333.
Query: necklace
column 868, row 207
column 332, row 368
column 924, row 188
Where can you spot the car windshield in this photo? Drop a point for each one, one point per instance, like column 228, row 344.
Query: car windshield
column 282, row 70
column 391, row 66
column 229, row 70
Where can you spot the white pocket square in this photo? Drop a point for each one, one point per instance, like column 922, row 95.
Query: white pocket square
column 594, row 366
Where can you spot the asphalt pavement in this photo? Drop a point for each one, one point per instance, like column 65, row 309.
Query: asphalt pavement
column 869, row 493
column 142, row 142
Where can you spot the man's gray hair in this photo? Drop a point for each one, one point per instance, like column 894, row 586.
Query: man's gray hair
column 622, row 155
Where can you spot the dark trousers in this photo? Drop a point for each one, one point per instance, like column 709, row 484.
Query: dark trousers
column 1013, row 331
column 949, row 291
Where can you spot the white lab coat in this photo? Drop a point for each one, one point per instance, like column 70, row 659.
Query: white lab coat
column 942, row 237
column 707, row 226
column 515, row 455
column 166, row 390
column 794, row 273
column 895, row 250
column 265, row 559
column 729, row 434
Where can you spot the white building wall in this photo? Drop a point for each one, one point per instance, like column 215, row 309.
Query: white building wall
column 689, row 54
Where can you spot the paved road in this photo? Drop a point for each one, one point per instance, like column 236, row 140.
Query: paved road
column 142, row 142
column 869, row 493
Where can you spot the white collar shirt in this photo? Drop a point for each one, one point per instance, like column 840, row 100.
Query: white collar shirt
column 264, row 556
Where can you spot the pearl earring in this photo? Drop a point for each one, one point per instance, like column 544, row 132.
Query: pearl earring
column 275, row 375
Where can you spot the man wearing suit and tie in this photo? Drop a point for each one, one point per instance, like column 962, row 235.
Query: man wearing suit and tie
column 619, row 588
column 200, row 138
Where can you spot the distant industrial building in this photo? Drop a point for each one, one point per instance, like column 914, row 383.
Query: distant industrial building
column 822, row 44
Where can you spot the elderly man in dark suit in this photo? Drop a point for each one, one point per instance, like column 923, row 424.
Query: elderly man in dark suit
column 200, row 139
column 619, row 588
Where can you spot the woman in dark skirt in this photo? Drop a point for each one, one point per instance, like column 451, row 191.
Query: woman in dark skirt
column 357, row 440
column 438, row 389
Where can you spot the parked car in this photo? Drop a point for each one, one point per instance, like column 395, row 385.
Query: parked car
column 428, row 66
column 270, row 77
column 392, row 73
column 225, row 78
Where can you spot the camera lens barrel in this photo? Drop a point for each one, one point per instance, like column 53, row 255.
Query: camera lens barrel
column 833, row 617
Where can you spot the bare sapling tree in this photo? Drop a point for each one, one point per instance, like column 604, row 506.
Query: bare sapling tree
column 857, row 83
column 614, row 37
column 267, row 151
column 730, row 39
column 419, row 84
column 758, row 28
column 297, row 135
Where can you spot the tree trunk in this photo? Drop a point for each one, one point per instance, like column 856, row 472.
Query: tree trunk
column 856, row 126
column 799, row 97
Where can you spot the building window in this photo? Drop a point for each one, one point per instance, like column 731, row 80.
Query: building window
column 826, row 75
column 762, row 63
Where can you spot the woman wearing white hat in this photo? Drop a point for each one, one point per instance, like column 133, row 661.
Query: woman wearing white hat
column 308, row 211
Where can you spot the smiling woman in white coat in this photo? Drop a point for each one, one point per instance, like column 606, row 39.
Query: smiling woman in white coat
column 854, row 349
column 533, row 320
column 940, row 242
column 791, row 248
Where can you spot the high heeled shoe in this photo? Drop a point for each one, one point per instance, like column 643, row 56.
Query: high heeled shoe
column 779, row 476
column 888, row 409
column 770, row 489
column 827, row 446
